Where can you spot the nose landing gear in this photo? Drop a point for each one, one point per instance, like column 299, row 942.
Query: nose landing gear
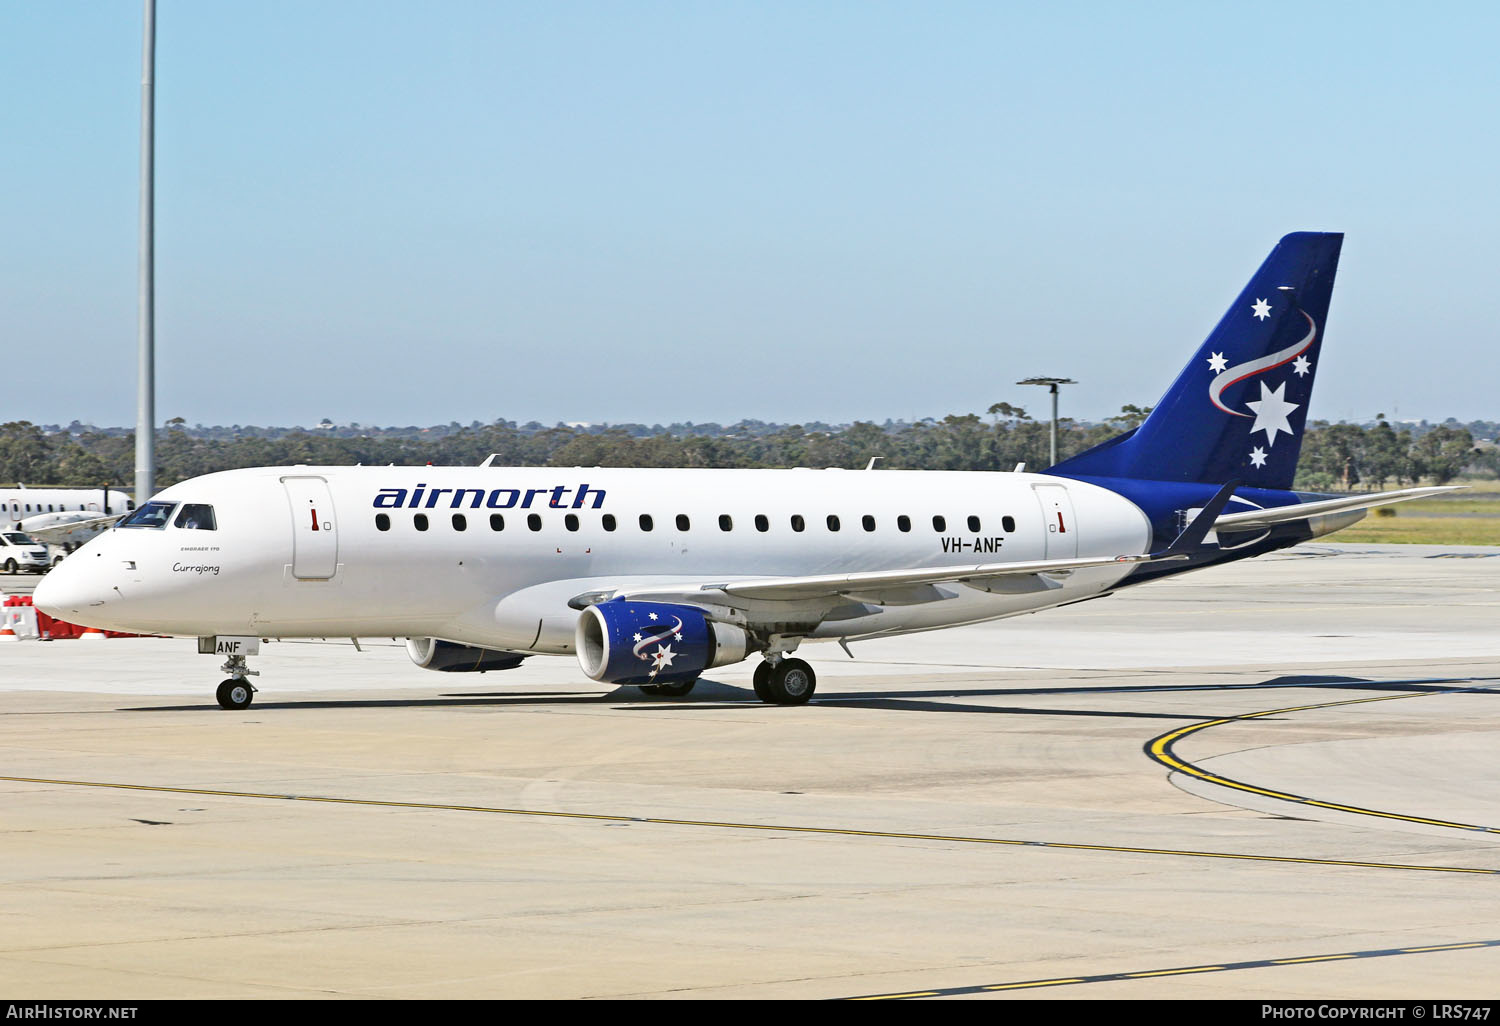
column 236, row 692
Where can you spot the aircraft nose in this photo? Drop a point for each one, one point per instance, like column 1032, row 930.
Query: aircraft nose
column 66, row 593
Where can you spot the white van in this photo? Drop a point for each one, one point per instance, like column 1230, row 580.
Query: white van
column 21, row 552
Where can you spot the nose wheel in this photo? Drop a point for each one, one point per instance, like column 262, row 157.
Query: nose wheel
column 236, row 692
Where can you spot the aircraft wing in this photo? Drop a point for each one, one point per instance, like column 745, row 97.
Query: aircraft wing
column 1258, row 519
column 56, row 534
column 834, row 586
column 912, row 585
column 841, row 584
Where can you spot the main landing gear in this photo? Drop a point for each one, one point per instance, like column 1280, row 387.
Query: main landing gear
column 778, row 681
column 785, row 681
column 236, row 692
column 676, row 689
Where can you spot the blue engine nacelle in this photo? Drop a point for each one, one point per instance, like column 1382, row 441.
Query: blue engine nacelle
column 624, row 642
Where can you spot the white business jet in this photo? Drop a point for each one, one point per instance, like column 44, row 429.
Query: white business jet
column 61, row 516
column 652, row 577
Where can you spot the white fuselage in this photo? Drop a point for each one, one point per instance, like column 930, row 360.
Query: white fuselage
column 341, row 551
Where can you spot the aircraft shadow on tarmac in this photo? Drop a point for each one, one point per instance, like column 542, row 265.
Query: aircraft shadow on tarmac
column 714, row 696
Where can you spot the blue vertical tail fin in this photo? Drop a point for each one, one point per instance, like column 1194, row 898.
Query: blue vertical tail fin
column 1238, row 408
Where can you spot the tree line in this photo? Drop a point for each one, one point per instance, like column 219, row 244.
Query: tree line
column 1338, row 457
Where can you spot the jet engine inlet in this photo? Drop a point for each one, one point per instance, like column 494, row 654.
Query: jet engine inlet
column 624, row 642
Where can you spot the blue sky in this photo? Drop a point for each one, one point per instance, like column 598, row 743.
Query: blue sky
column 403, row 213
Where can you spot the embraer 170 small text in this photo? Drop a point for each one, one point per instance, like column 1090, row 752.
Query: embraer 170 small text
column 652, row 577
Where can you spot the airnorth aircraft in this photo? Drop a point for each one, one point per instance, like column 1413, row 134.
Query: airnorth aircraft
column 61, row 516
column 651, row 577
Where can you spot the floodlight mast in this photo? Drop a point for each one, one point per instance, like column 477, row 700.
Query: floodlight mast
column 145, row 420
column 1051, row 383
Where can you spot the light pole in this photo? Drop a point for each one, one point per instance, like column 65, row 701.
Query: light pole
column 145, row 414
column 1051, row 383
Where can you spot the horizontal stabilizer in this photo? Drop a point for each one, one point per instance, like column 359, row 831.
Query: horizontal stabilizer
column 1257, row 519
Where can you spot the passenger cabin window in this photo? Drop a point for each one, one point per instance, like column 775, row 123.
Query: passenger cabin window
column 833, row 522
column 419, row 521
column 867, row 522
column 726, row 523
column 974, row 524
column 153, row 514
column 497, row 522
column 571, row 521
column 682, row 522
column 798, row 523
column 939, row 524
column 762, row 523
column 382, row 522
column 196, row 517
column 1008, row 524
column 903, row 523
column 645, row 521
column 534, row 521
column 460, row 522
column 608, row 520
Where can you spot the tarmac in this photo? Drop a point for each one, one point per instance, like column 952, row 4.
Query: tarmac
column 1274, row 780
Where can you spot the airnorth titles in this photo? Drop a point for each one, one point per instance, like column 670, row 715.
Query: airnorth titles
column 421, row 497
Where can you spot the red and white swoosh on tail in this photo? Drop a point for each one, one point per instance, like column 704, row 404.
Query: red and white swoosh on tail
column 1241, row 371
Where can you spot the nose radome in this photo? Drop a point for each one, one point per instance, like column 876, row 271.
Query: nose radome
column 65, row 593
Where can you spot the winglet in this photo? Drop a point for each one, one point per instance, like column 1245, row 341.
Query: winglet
column 1193, row 534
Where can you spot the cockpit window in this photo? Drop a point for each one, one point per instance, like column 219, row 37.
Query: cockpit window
column 195, row 516
column 153, row 514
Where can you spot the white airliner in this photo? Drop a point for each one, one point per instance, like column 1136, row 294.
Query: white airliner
column 651, row 577
column 60, row 516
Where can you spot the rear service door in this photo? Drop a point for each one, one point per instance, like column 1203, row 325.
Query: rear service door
column 315, row 540
column 1057, row 521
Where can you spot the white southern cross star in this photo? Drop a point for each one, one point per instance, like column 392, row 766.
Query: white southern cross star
column 1262, row 309
column 1301, row 366
column 636, row 638
column 653, row 616
column 664, row 657
column 1217, row 363
column 1271, row 411
column 1257, row 457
